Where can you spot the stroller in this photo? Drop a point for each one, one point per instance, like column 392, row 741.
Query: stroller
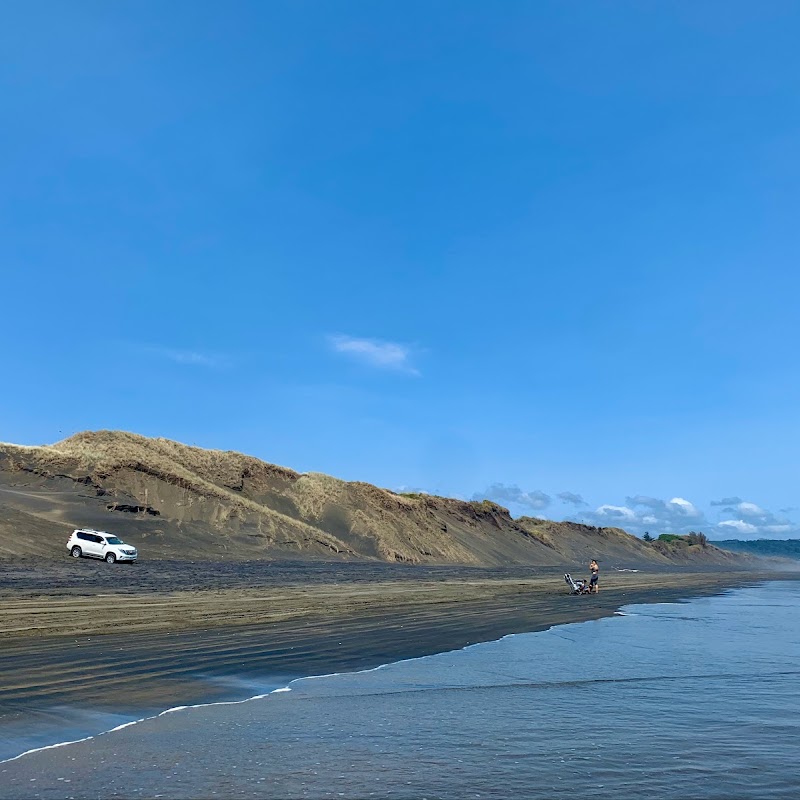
column 580, row 587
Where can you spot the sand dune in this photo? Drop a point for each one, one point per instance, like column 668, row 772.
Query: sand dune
column 172, row 500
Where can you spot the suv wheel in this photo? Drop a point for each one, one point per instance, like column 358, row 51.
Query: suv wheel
column 110, row 558
column 75, row 552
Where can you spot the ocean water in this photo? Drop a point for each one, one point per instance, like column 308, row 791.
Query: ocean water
column 698, row 699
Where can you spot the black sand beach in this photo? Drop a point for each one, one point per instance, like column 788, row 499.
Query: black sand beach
column 146, row 637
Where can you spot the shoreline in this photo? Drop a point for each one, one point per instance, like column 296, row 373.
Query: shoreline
column 62, row 682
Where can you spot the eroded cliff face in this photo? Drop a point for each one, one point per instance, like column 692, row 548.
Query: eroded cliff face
column 181, row 501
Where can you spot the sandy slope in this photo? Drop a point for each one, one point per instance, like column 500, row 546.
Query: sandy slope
column 175, row 501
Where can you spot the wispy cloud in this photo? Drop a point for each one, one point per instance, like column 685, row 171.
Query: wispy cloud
column 572, row 499
column 727, row 501
column 374, row 352
column 737, row 526
column 192, row 358
column 534, row 500
column 615, row 513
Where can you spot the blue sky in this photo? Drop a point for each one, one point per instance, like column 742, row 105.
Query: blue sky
column 541, row 252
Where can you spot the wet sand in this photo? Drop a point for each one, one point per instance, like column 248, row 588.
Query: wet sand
column 83, row 635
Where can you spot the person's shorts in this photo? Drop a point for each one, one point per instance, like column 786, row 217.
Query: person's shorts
column 593, row 581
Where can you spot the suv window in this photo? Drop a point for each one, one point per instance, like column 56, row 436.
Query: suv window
column 98, row 539
column 85, row 536
column 114, row 540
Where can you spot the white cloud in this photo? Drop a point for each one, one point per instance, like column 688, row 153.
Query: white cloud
column 616, row 512
column 685, row 508
column 756, row 522
column 787, row 527
column 738, row 525
column 750, row 510
column 374, row 352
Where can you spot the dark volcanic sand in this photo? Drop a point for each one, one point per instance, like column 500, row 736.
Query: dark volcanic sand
column 139, row 638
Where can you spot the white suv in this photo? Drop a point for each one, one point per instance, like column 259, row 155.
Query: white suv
column 99, row 544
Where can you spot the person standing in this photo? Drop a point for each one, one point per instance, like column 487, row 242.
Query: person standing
column 595, row 570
